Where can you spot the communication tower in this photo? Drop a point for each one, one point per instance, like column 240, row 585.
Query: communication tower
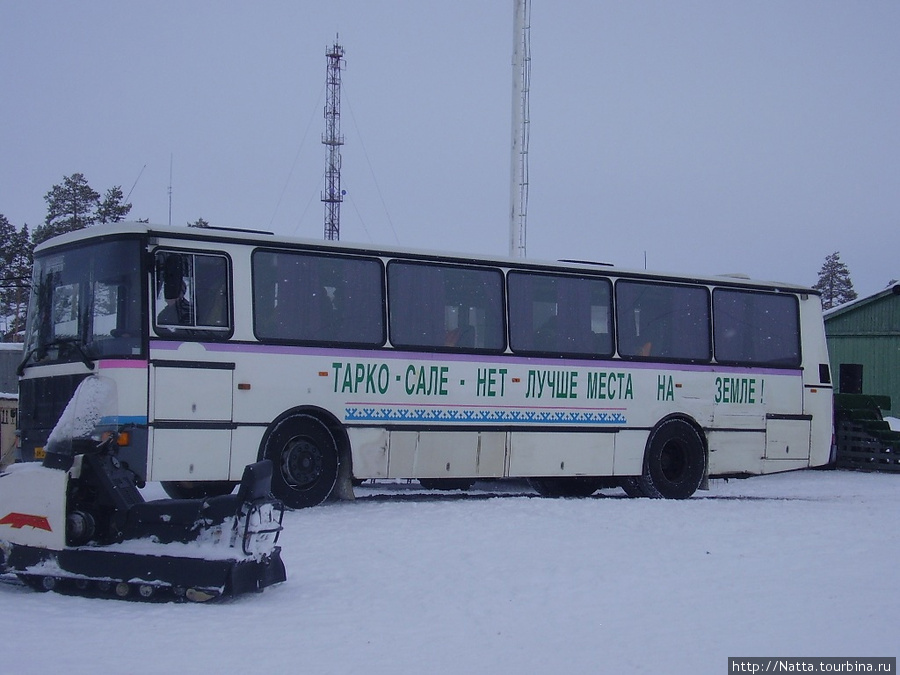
column 521, row 62
column 332, row 195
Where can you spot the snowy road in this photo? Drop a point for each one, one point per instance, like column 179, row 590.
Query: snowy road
column 800, row 564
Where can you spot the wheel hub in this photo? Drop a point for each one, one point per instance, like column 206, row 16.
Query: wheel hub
column 673, row 461
column 301, row 463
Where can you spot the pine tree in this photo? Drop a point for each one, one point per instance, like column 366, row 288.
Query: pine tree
column 834, row 282
column 15, row 272
column 7, row 282
column 200, row 222
column 20, row 266
column 70, row 206
column 113, row 207
column 6, row 234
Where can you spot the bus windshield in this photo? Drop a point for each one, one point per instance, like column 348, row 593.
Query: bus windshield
column 86, row 303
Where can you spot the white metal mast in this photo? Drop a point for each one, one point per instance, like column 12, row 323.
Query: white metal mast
column 521, row 67
column 170, row 189
column 332, row 195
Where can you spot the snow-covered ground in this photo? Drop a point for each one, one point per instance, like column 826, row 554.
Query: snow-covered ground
column 799, row 564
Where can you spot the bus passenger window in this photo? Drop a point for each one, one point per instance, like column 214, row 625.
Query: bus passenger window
column 192, row 293
column 211, row 291
column 756, row 328
column 559, row 314
column 663, row 321
column 318, row 298
column 445, row 307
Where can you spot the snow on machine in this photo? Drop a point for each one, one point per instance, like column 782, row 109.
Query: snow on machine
column 78, row 524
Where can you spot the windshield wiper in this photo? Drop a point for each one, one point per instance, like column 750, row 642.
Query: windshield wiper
column 57, row 342
column 21, row 369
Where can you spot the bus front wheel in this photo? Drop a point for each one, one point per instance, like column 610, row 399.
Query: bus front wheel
column 674, row 461
column 305, row 456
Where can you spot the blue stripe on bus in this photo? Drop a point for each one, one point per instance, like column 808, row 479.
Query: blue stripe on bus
column 122, row 420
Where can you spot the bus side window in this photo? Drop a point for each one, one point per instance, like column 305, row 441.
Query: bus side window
column 663, row 321
column 309, row 297
column 445, row 306
column 192, row 293
column 211, row 292
column 559, row 314
column 756, row 328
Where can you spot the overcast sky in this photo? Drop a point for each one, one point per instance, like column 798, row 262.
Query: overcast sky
column 704, row 136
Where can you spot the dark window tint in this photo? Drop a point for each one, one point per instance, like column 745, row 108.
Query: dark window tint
column 86, row 302
column 756, row 328
column 309, row 297
column 559, row 314
column 192, row 293
column 441, row 306
column 662, row 321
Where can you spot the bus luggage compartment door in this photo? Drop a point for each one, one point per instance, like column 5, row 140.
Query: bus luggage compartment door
column 787, row 436
column 447, row 454
column 191, row 420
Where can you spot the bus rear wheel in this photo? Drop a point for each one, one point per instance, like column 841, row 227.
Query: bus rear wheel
column 674, row 461
column 305, row 456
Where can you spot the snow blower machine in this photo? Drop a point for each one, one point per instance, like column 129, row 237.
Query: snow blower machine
column 78, row 524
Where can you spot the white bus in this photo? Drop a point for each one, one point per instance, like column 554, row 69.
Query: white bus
column 344, row 363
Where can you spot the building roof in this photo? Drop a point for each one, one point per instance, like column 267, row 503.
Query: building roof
column 861, row 302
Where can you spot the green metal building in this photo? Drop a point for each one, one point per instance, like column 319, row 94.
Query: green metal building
column 864, row 345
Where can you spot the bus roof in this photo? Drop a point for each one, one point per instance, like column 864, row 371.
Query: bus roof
column 262, row 238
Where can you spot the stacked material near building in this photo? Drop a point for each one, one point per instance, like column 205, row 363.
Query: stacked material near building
column 864, row 439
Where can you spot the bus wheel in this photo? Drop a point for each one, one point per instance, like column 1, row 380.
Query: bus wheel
column 674, row 462
column 197, row 489
column 576, row 486
column 305, row 457
column 632, row 486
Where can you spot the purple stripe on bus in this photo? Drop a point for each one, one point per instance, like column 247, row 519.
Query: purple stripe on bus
column 390, row 354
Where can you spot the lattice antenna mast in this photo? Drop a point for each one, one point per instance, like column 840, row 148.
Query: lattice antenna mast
column 332, row 195
column 521, row 84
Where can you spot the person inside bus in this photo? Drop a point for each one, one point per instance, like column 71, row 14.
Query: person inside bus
column 177, row 311
column 458, row 333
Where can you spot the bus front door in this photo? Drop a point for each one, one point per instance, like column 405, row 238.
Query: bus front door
column 191, row 420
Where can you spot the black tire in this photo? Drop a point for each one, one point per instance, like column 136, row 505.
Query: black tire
column 674, row 461
column 198, row 489
column 576, row 486
column 306, row 461
column 446, row 483
column 632, row 486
